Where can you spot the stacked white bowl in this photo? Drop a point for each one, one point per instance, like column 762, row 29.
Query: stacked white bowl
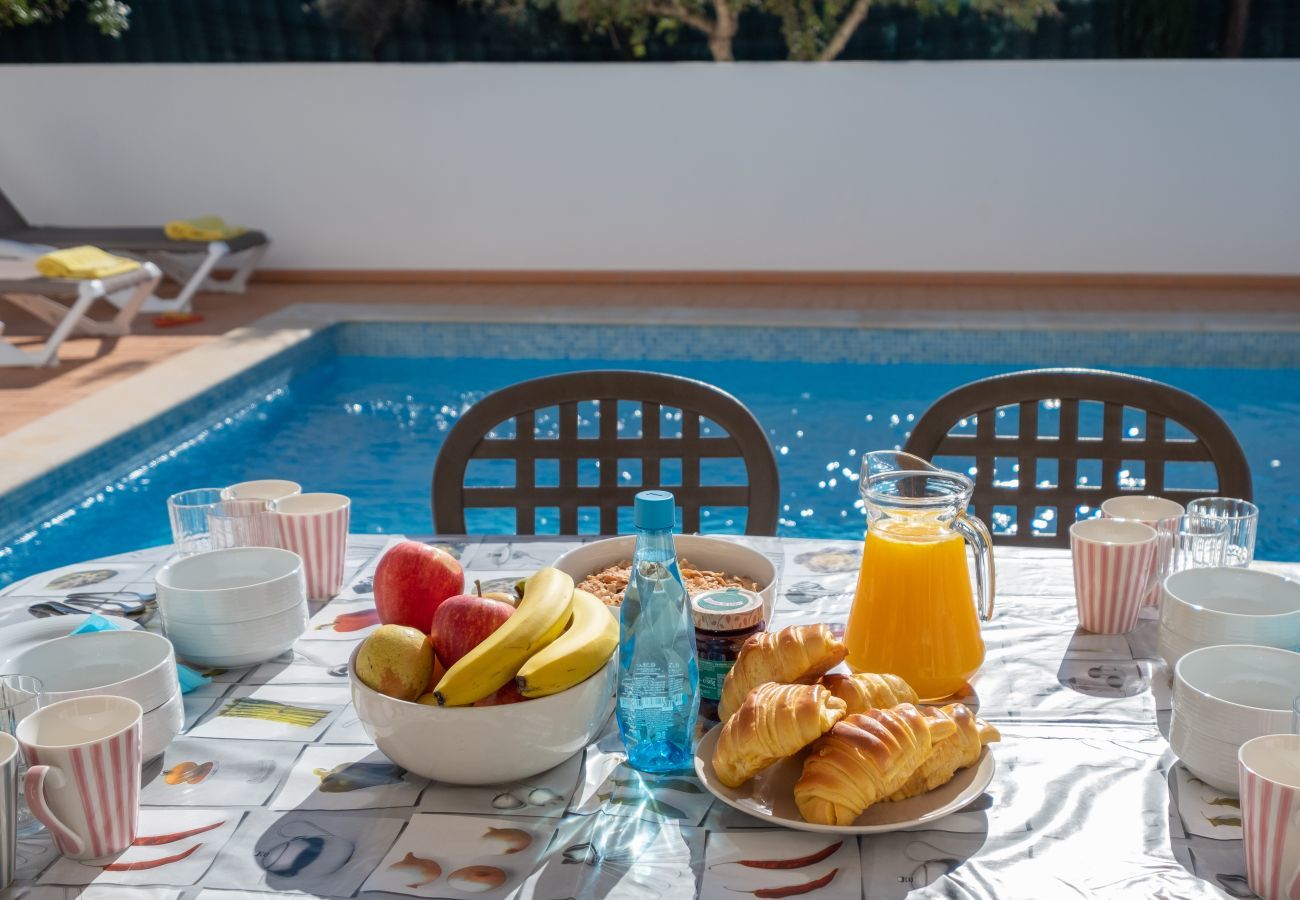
column 1228, row 605
column 1225, row 696
column 234, row 607
column 134, row 664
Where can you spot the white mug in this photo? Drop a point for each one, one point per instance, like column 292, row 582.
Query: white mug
column 84, row 777
column 315, row 526
column 9, row 759
column 1269, row 771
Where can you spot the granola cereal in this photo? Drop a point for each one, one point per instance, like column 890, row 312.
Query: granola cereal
column 609, row 583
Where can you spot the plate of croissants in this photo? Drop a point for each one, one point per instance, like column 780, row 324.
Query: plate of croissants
column 804, row 748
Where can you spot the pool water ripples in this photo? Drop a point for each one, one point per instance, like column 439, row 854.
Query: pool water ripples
column 370, row 427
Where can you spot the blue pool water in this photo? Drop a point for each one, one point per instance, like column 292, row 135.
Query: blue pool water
column 370, row 426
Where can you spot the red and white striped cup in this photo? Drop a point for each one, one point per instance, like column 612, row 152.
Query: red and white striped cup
column 83, row 783
column 315, row 526
column 1268, row 774
column 1113, row 570
column 1161, row 514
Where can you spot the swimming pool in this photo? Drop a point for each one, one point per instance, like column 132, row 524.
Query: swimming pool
column 363, row 408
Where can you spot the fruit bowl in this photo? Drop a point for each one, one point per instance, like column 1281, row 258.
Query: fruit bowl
column 703, row 552
column 485, row 744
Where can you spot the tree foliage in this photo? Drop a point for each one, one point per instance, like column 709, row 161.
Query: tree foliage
column 109, row 16
column 813, row 29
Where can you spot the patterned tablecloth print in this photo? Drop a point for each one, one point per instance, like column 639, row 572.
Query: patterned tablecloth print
column 1088, row 800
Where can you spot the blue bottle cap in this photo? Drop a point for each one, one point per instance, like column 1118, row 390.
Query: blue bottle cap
column 653, row 510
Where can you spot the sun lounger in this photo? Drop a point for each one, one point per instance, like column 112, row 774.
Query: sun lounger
column 65, row 304
column 190, row 263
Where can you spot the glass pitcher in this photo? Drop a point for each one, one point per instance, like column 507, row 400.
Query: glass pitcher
column 914, row 614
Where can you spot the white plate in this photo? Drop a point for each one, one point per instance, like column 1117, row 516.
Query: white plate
column 14, row 639
column 770, row 795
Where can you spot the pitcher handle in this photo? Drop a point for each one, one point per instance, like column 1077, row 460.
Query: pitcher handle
column 975, row 531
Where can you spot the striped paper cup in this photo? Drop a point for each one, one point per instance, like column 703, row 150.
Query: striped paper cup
column 1268, row 770
column 92, row 745
column 315, row 526
column 1113, row 570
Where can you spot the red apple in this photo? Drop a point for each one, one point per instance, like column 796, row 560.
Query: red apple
column 461, row 623
column 412, row 580
column 507, row 693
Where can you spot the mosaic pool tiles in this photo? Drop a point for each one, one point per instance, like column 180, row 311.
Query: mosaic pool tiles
column 827, row 345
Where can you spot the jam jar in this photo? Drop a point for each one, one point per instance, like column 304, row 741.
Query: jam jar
column 724, row 620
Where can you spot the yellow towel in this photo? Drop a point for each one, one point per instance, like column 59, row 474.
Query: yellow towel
column 83, row 262
column 202, row 228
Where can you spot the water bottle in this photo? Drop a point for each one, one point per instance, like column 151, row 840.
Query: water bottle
column 658, row 680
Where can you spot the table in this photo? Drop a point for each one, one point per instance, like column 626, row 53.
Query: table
column 1087, row 799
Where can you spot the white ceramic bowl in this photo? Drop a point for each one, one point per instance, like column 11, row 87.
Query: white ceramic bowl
column 1173, row 646
column 1235, row 692
column 239, row 643
column 703, row 552
column 1211, row 759
column 159, row 726
column 489, row 744
column 1233, row 605
column 137, row 665
column 232, row 585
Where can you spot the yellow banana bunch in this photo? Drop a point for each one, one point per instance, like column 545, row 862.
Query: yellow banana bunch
column 540, row 618
column 575, row 655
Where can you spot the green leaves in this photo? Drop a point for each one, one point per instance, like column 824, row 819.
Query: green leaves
column 109, row 16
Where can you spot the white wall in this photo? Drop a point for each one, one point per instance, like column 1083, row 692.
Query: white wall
column 1043, row 166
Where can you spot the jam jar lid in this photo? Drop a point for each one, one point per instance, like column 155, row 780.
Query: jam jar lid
column 727, row 609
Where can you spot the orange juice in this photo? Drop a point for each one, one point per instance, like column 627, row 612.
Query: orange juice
column 914, row 614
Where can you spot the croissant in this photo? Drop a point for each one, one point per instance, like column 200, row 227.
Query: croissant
column 775, row 721
column 869, row 691
column 799, row 654
column 957, row 751
column 866, row 758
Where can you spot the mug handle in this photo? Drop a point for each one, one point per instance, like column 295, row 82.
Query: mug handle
column 34, row 791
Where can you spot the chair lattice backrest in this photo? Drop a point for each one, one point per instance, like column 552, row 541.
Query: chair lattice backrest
column 704, row 410
column 1132, row 452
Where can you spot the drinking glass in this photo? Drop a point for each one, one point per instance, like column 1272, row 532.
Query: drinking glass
column 243, row 523
column 1295, row 717
column 1240, row 517
column 188, row 511
column 1199, row 543
column 20, row 696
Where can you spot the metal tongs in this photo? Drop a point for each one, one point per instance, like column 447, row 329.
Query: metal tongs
column 127, row 604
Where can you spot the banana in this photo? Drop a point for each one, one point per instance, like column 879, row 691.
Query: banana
column 575, row 655
column 540, row 618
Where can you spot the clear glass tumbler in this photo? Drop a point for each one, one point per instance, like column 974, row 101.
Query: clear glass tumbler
column 1198, row 543
column 188, row 511
column 1239, row 517
column 243, row 523
column 20, row 696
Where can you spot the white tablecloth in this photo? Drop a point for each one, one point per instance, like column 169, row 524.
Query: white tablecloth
column 1087, row 799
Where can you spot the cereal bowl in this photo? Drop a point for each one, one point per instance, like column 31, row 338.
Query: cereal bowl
column 1233, row 605
column 707, row 553
column 138, row 665
column 1236, row 692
